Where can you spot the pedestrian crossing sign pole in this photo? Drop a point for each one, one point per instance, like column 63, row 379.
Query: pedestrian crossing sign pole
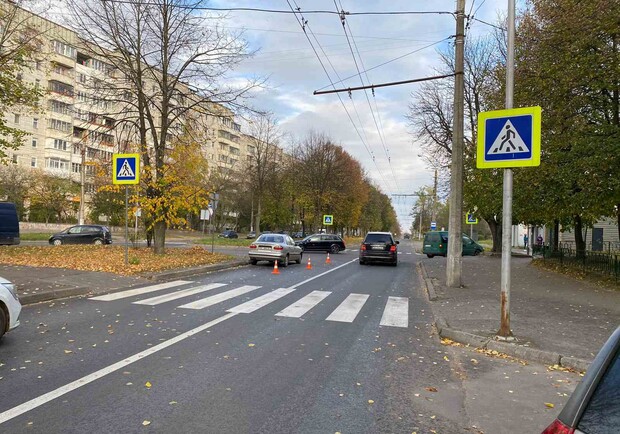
column 509, row 138
column 126, row 171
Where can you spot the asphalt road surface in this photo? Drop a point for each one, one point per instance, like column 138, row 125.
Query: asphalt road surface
column 340, row 348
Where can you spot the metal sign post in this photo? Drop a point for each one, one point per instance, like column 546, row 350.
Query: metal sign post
column 126, row 171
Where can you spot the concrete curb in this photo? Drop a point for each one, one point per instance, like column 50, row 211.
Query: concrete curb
column 187, row 272
column 488, row 343
column 53, row 295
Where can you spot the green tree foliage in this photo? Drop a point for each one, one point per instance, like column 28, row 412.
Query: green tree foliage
column 19, row 41
column 15, row 183
column 52, row 198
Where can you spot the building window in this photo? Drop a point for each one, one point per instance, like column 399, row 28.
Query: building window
column 62, row 88
column 35, row 123
column 82, row 78
column 60, row 107
column 56, row 124
column 75, row 167
column 59, row 144
column 34, row 143
column 37, row 83
column 37, row 65
column 19, row 76
column 56, row 163
column 16, row 118
column 64, row 49
column 33, row 162
column 14, row 159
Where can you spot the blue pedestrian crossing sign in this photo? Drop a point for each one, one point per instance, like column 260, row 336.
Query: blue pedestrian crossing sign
column 126, row 169
column 433, row 226
column 509, row 138
column 328, row 220
column 471, row 219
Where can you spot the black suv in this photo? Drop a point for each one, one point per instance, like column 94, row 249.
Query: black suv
column 228, row 234
column 322, row 243
column 82, row 234
column 379, row 247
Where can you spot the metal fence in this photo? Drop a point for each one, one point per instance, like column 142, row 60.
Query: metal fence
column 606, row 263
column 604, row 246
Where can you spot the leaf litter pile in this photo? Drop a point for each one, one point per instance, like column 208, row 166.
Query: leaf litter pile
column 109, row 259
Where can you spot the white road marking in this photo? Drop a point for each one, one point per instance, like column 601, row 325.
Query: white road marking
column 215, row 299
column 396, row 312
column 44, row 399
column 139, row 291
column 262, row 301
column 300, row 307
column 349, row 308
column 178, row 294
column 322, row 274
column 409, row 253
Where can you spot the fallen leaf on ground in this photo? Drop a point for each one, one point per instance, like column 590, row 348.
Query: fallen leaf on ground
column 548, row 404
column 431, row 389
column 148, row 384
column 146, row 423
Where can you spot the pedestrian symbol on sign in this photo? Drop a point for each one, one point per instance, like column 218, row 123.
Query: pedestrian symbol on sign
column 125, row 171
column 328, row 220
column 509, row 142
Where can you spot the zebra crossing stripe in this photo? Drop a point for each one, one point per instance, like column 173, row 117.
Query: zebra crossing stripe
column 396, row 312
column 178, row 294
column 139, row 291
column 349, row 308
column 215, row 299
column 262, row 301
column 300, row 307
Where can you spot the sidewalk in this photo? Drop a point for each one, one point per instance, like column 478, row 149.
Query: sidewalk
column 555, row 319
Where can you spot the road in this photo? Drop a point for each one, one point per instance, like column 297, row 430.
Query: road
column 339, row 348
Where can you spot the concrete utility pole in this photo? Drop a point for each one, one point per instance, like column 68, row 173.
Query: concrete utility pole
column 504, row 330
column 455, row 243
column 434, row 206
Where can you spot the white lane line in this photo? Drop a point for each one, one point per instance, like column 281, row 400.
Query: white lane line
column 50, row 396
column 215, row 299
column 322, row 274
column 262, row 301
column 300, row 307
column 349, row 308
column 396, row 312
column 139, row 291
column 178, row 294
column 409, row 253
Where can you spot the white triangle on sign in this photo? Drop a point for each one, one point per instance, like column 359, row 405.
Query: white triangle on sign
column 508, row 141
column 125, row 171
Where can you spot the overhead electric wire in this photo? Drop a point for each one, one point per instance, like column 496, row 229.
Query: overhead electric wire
column 345, row 24
column 303, row 23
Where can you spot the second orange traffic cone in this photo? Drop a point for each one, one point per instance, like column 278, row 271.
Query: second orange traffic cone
column 275, row 268
column 309, row 266
column 328, row 261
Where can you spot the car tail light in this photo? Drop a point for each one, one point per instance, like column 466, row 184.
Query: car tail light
column 278, row 248
column 363, row 247
column 440, row 246
column 252, row 246
column 392, row 248
column 558, row 427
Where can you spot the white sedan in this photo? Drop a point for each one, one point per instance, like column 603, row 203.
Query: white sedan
column 275, row 247
column 10, row 307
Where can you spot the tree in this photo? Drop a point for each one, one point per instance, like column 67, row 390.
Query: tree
column 20, row 39
column 52, row 197
column 167, row 60
column 15, row 183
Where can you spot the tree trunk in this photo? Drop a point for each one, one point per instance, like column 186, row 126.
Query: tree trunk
column 257, row 217
column 496, row 234
column 580, row 243
column 159, row 238
column 556, row 235
column 618, row 208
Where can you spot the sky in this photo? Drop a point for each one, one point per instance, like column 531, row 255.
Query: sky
column 375, row 130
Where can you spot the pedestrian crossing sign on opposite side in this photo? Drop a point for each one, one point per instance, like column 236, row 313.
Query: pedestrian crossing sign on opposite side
column 509, row 138
column 328, row 220
column 471, row 219
column 126, row 169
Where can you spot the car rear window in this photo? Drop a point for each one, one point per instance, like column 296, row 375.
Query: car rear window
column 602, row 415
column 378, row 238
column 271, row 239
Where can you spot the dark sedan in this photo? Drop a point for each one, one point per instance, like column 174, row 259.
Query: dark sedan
column 82, row 234
column 228, row 234
column 379, row 247
column 322, row 243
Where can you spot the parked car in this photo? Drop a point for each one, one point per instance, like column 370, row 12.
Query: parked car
column 228, row 234
column 275, row 247
column 9, row 224
column 322, row 242
column 436, row 244
column 82, row 234
column 379, row 247
column 594, row 406
column 407, row 236
column 10, row 307
column 251, row 235
column 299, row 234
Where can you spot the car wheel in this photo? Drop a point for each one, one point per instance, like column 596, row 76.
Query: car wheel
column 57, row 242
column 334, row 249
column 476, row 252
column 284, row 263
column 253, row 262
column 301, row 255
column 362, row 262
column 429, row 255
column 395, row 263
column 98, row 242
column 3, row 322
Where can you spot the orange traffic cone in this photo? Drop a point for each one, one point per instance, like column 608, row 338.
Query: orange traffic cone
column 328, row 261
column 275, row 268
column 309, row 266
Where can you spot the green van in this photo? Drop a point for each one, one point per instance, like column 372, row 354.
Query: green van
column 436, row 244
column 9, row 224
